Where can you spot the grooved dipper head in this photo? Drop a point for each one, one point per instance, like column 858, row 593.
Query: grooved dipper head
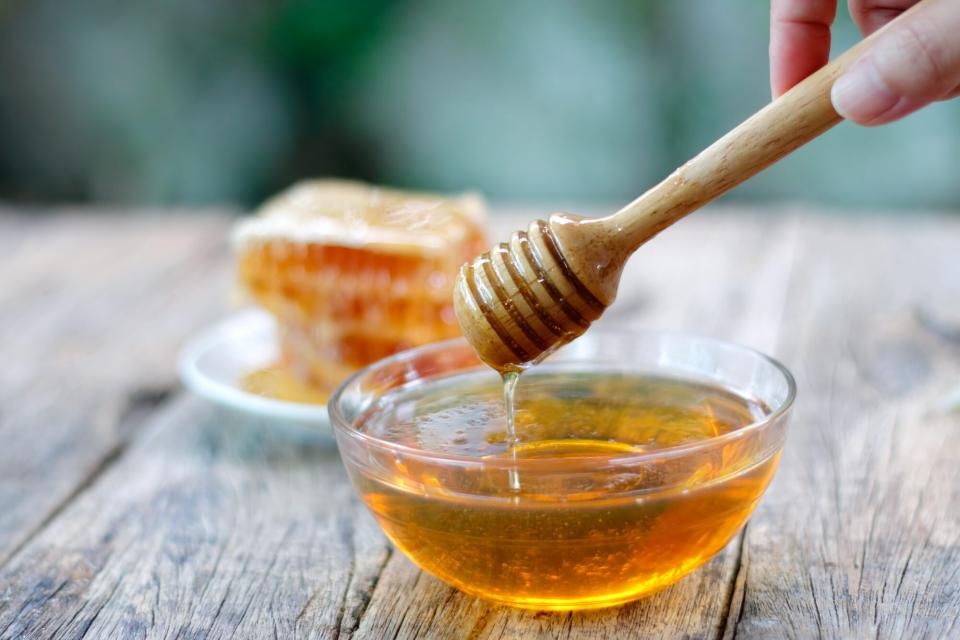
column 522, row 299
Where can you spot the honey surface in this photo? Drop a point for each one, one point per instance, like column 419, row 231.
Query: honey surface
column 565, row 527
column 277, row 383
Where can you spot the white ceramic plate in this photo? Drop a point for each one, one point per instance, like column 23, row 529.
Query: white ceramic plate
column 213, row 364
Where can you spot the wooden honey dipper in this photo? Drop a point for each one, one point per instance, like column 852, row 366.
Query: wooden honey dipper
column 523, row 299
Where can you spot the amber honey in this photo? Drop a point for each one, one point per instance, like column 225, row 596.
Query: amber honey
column 604, row 497
column 278, row 383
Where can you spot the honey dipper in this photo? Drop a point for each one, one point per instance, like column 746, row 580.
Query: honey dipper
column 523, row 299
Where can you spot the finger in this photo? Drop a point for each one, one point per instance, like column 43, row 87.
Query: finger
column 799, row 40
column 912, row 64
column 870, row 15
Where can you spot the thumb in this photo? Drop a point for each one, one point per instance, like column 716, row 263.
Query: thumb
column 915, row 62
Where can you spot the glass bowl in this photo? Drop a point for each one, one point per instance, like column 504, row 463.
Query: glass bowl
column 587, row 531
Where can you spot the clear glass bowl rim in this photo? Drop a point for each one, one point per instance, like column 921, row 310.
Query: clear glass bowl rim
column 343, row 426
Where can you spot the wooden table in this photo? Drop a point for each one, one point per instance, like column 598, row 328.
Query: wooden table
column 130, row 509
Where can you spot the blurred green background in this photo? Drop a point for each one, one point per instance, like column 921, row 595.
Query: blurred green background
column 186, row 102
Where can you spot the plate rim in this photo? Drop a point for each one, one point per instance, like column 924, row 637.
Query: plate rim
column 230, row 395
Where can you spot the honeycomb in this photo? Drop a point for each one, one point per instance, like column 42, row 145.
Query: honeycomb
column 354, row 273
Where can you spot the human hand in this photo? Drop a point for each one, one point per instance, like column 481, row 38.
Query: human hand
column 916, row 62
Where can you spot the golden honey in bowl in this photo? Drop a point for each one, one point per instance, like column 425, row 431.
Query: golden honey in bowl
column 607, row 495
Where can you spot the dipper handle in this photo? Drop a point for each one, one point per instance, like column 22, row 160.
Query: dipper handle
column 795, row 118
column 519, row 301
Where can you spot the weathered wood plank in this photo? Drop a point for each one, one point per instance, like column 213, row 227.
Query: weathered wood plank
column 92, row 310
column 211, row 528
column 859, row 536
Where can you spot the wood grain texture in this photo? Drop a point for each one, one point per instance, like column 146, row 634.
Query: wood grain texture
column 134, row 514
column 860, row 533
column 210, row 527
column 93, row 307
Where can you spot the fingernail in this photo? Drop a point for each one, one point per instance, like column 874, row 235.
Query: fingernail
column 861, row 95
